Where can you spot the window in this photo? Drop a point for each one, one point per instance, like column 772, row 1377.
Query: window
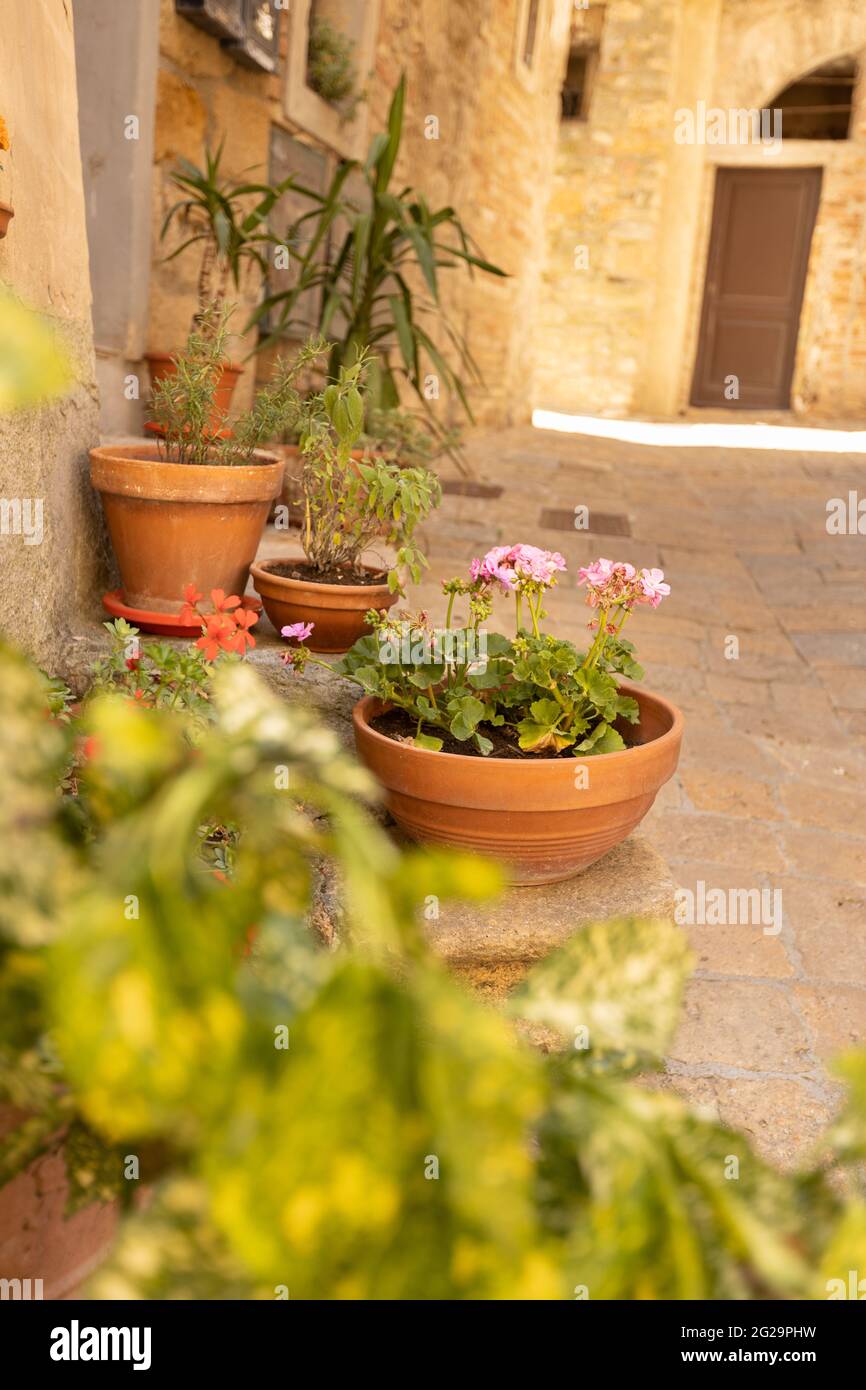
column 530, row 32
column 818, row 106
column 576, row 87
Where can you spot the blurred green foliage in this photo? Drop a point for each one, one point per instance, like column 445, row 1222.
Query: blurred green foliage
column 350, row 1123
column 35, row 366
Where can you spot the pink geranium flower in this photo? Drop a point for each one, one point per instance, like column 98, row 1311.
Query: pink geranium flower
column 300, row 631
column 608, row 582
column 652, row 587
column 508, row 565
column 534, row 563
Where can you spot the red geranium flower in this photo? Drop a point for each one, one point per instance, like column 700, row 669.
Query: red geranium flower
column 221, row 603
column 218, row 635
column 243, row 638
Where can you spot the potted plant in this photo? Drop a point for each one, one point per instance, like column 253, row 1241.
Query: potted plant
column 362, row 260
column 191, row 508
column 331, row 71
column 523, row 747
column 213, row 214
column 348, row 504
column 399, row 435
column 7, row 212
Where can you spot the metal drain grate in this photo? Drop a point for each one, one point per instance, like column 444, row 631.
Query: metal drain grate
column 466, row 487
column 600, row 523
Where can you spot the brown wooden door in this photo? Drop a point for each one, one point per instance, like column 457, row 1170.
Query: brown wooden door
column 756, row 270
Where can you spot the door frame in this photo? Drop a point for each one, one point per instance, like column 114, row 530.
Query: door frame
column 710, row 240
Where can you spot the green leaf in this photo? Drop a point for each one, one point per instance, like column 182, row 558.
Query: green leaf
column 621, row 981
column 428, row 741
column 603, row 739
column 546, row 711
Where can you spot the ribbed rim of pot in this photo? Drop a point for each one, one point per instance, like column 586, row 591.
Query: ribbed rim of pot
column 261, row 570
column 671, row 736
column 148, row 454
column 136, row 471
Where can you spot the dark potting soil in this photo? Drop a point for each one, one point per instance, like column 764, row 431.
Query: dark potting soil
column 297, row 569
column 400, row 726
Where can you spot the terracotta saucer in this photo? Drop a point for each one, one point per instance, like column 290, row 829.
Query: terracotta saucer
column 161, row 624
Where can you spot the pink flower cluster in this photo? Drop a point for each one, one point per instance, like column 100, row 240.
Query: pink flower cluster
column 609, row 582
column 513, row 566
column 300, row 632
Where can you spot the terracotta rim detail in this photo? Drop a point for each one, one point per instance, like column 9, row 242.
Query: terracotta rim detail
column 336, row 610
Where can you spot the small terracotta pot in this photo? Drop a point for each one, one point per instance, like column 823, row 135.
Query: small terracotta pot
column 162, row 364
column 173, row 524
column 336, row 610
column 7, row 212
column 52, row 1254
column 532, row 814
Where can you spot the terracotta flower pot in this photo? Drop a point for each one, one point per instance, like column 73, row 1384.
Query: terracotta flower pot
column 337, row 610
column 535, row 815
column 173, row 524
column 162, row 364
column 50, row 1253
column 7, row 212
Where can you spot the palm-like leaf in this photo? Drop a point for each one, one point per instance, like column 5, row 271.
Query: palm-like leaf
column 364, row 280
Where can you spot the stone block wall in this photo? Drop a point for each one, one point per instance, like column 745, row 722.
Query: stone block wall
column 763, row 46
column 492, row 160
column 605, row 219
column 618, row 335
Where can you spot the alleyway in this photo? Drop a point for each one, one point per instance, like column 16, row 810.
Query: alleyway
column 771, row 791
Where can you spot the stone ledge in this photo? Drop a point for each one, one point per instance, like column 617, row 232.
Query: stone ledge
column 493, row 945
column 332, row 695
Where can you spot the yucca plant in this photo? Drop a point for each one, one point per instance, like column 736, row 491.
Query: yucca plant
column 213, row 208
column 366, row 293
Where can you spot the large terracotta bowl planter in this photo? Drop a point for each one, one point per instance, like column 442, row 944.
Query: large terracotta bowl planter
column 531, row 814
column 336, row 610
column 162, row 364
column 173, row 524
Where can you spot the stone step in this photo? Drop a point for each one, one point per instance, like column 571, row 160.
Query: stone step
column 493, row 945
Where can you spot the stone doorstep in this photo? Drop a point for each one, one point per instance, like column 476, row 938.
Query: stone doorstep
column 493, row 945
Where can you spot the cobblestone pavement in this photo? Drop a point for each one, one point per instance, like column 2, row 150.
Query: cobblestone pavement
column 771, row 790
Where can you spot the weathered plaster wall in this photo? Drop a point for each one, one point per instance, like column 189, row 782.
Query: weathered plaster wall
column 491, row 160
column 115, row 122
column 46, row 589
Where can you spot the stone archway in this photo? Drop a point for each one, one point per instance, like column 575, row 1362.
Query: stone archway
column 760, row 56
